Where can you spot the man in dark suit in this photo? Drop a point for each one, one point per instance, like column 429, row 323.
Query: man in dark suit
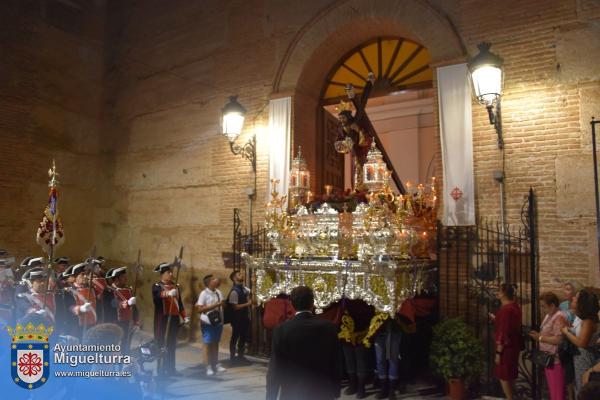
column 305, row 357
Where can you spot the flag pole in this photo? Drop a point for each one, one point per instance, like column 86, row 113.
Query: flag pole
column 52, row 174
column 134, row 309
column 90, row 292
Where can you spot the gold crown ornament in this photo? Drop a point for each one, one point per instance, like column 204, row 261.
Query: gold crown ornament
column 344, row 106
column 30, row 333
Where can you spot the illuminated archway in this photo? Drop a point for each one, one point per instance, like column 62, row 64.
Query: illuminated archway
column 397, row 63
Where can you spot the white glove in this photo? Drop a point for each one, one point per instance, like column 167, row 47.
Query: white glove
column 85, row 307
column 131, row 301
column 172, row 293
column 186, row 320
column 42, row 312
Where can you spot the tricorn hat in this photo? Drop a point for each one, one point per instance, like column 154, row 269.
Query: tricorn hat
column 119, row 271
column 162, row 267
column 35, row 273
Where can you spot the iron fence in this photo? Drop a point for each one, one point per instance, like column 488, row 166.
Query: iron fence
column 473, row 262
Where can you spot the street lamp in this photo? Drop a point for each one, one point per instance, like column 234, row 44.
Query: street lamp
column 487, row 78
column 233, row 118
column 232, row 122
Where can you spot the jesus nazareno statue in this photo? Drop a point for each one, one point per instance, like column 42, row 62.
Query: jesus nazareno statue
column 355, row 132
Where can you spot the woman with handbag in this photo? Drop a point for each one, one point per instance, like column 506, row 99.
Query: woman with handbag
column 210, row 306
column 549, row 338
column 582, row 333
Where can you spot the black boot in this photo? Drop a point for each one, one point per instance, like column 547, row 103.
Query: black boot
column 360, row 388
column 383, row 390
column 393, row 385
column 351, row 389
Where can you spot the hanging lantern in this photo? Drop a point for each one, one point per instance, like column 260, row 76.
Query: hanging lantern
column 374, row 170
column 299, row 186
column 486, row 74
column 232, row 119
column 487, row 77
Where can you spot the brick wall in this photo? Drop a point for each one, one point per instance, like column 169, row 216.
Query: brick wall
column 136, row 121
column 186, row 77
column 175, row 180
column 543, row 111
column 51, row 97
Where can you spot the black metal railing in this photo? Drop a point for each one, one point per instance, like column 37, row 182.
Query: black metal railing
column 473, row 262
column 257, row 245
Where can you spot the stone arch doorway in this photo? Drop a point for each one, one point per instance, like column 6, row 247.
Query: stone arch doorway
column 400, row 108
column 337, row 29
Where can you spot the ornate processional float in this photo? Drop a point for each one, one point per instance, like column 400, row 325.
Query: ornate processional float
column 371, row 244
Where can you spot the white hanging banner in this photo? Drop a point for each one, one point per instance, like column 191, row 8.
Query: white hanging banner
column 280, row 127
column 456, row 133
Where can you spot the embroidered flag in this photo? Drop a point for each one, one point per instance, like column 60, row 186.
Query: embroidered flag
column 50, row 233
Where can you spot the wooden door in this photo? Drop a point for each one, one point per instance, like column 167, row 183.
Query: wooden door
column 331, row 162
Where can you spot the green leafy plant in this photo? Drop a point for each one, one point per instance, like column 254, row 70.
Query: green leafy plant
column 455, row 352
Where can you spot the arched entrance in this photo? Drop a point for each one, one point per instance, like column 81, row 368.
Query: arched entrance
column 331, row 34
column 400, row 109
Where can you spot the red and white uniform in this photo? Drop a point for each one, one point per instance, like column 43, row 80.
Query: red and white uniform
column 125, row 312
column 30, row 302
column 170, row 305
column 82, row 295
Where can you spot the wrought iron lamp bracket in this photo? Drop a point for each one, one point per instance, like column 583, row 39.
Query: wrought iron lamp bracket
column 247, row 151
column 494, row 113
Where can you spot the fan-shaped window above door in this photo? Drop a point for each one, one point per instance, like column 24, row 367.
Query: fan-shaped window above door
column 397, row 64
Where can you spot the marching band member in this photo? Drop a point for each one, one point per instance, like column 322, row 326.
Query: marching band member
column 100, row 287
column 67, row 277
column 61, row 264
column 108, row 296
column 168, row 308
column 83, row 302
column 36, row 304
column 66, row 321
column 124, row 303
column 26, row 264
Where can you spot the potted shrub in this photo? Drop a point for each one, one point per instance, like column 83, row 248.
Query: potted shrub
column 456, row 355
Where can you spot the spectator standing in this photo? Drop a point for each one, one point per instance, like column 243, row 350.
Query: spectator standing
column 549, row 338
column 582, row 333
column 508, row 338
column 567, row 306
column 240, row 302
column 210, row 306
